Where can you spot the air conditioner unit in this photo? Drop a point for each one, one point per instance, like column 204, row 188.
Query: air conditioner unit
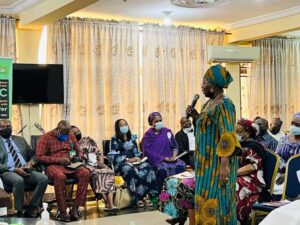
column 232, row 54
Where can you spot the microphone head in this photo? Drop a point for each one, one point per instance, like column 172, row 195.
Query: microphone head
column 196, row 97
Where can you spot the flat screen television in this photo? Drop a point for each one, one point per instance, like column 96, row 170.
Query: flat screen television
column 38, row 83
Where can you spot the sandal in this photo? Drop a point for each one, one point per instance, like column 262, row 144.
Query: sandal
column 148, row 203
column 140, row 204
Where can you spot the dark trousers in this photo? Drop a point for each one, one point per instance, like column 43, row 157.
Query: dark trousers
column 17, row 184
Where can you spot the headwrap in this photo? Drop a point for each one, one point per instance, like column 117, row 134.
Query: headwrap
column 296, row 117
column 251, row 128
column 219, row 76
column 152, row 116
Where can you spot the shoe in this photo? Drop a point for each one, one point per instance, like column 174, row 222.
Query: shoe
column 75, row 214
column 31, row 212
column 20, row 214
column 140, row 204
column 64, row 217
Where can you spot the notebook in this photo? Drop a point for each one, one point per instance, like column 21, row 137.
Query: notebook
column 75, row 166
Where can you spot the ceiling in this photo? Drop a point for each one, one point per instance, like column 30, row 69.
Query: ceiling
column 15, row 6
column 218, row 16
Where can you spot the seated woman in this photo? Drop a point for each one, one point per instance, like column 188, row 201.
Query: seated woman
column 125, row 156
column 160, row 147
column 250, row 173
column 288, row 146
column 102, row 177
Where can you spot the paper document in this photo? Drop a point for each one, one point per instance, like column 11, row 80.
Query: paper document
column 180, row 155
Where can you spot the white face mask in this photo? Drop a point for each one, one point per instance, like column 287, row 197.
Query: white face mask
column 295, row 130
column 187, row 129
column 239, row 137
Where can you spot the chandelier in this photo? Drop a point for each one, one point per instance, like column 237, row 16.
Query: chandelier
column 196, row 3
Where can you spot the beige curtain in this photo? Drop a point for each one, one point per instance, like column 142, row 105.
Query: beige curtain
column 8, row 49
column 275, row 81
column 101, row 74
column 174, row 61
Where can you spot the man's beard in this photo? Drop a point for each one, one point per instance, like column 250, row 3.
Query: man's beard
column 275, row 130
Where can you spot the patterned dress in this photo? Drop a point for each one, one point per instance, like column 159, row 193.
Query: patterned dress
column 215, row 203
column 140, row 178
column 249, row 186
column 177, row 196
column 102, row 177
column 287, row 147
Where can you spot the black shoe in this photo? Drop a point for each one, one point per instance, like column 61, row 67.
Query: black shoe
column 64, row 217
column 20, row 214
column 31, row 212
column 75, row 214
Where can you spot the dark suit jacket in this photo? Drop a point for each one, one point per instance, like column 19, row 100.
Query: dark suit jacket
column 183, row 145
column 182, row 141
column 25, row 150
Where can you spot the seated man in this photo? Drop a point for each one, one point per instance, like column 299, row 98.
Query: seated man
column 185, row 139
column 264, row 137
column 16, row 170
column 275, row 130
column 57, row 149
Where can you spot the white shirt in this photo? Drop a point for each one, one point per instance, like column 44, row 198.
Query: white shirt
column 192, row 140
column 277, row 136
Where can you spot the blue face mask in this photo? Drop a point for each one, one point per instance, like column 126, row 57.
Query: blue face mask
column 295, row 130
column 124, row 129
column 159, row 125
column 63, row 137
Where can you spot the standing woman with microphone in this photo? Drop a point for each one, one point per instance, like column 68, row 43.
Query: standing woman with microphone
column 216, row 162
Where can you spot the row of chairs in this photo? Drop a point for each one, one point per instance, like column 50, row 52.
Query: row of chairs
column 291, row 190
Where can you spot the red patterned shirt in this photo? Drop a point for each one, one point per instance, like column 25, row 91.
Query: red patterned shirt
column 50, row 149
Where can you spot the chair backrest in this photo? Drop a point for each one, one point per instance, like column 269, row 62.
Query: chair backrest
column 105, row 147
column 291, row 189
column 34, row 140
column 270, row 169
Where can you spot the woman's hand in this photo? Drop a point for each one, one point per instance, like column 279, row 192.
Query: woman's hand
column 192, row 112
column 224, row 175
column 168, row 160
column 132, row 160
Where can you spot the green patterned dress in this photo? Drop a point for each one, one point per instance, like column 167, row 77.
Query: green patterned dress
column 215, row 137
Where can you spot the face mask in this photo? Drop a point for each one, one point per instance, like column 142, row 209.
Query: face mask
column 78, row 137
column 275, row 130
column 159, row 125
column 6, row 133
column 188, row 129
column 295, row 130
column 239, row 137
column 63, row 137
column 124, row 129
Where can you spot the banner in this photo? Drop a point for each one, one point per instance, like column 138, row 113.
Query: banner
column 5, row 88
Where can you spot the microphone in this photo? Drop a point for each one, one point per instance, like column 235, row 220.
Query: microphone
column 194, row 101
column 22, row 129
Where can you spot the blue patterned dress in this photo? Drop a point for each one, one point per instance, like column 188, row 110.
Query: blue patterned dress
column 140, row 178
column 215, row 203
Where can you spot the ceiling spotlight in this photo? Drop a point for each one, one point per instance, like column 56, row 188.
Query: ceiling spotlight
column 167, row 19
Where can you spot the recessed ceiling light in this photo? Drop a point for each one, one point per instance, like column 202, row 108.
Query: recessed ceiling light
column 197, row 3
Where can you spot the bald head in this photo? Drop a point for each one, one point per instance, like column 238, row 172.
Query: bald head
column 4, row 123
column 64, row 127
column 185, row 122
column 263, row 125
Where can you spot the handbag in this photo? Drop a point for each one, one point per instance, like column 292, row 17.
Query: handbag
column 122, row 197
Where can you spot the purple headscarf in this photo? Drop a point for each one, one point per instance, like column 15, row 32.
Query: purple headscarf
column 297, row 115
column 152, row 116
